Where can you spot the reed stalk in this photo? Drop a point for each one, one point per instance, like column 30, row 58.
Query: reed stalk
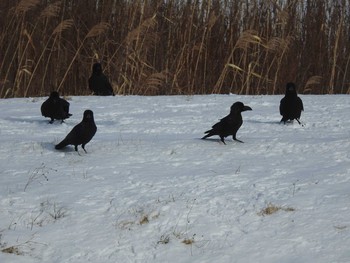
column 159, row 47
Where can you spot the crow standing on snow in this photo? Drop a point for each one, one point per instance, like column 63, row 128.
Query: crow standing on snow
column 55, row 108
column 99, row 83
column 82, row 133
column 230, row 124
column 291, row 105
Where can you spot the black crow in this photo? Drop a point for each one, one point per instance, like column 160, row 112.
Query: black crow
column 230, row 124
column 291, row 105
column 99, row 83
column 82, row 133
column 55, row 108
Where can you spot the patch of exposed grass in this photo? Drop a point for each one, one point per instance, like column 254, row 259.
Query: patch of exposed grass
column 272, row 209
column 12, row 250
column 188, row 241
column 144, row 220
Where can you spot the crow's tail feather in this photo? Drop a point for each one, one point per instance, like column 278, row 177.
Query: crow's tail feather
column 61, row 145
column 209, row 133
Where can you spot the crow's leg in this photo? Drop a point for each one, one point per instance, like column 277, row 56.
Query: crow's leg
column 235, row 139
column 83, row 146
column 223, row 139
column 302, row 124
column 76, row 149
column 284, row 120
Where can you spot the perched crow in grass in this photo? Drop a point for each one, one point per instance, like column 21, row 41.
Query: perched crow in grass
column 230, row 124
column 291, row 105
column 99, row 83
column 55, row 108
column 82, row 133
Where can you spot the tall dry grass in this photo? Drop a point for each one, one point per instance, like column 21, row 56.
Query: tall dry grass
column 156, row 47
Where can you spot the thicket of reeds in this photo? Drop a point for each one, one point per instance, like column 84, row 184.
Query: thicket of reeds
column 161, row 47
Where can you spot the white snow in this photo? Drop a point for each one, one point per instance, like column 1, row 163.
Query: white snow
column 148, row 184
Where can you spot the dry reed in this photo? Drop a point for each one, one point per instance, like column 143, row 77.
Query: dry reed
column 169, row 47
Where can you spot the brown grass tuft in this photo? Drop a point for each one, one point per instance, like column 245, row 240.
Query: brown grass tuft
column 188, row 241
column 64, row 25
column 52, row 10
column 98, row 29
column 312, row 81
column 12, row 250
column 272, row 209
column 141, row 30
column 248, row 37
column 156, row 83
column 144, row 220
column 26, row 5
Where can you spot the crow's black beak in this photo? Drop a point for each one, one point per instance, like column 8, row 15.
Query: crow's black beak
column 246, row 108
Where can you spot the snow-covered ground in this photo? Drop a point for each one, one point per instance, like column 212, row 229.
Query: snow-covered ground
column 149, row 190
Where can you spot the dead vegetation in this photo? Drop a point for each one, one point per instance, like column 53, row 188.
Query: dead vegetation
column 12, row 250
column 272, row 209
column 174, row 47
column 18, row 249
column 188, row 241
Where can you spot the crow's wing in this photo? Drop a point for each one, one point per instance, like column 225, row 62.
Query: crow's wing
column 283, row 106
